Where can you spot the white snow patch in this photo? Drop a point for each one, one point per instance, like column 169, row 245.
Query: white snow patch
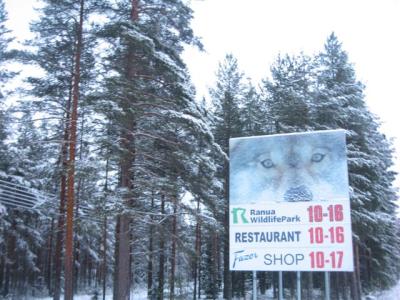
column 3, row 209
column 392, row 294
column 141, row 294
column 136, row 294
column 79, row 297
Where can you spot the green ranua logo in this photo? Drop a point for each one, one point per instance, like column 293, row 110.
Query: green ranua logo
column 239, row 212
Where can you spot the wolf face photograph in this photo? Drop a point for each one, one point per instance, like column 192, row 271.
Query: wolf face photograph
column 294, row 167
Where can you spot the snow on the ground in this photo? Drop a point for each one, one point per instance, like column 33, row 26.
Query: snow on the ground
column 392, row 294
column 135, row 295
column 78, row 297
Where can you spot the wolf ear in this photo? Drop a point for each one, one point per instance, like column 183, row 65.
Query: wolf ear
column 233, row 143
column 237, row 155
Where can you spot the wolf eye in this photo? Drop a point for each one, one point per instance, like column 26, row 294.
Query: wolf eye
column 267, row 163
column 317, row 157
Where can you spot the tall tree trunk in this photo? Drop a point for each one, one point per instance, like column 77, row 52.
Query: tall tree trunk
column 215, row 254
column 61, row 209
column 199, row 264
column 60, row 232
column 150, row 291
column 122, row 282
column 69, row 238
column 275, row 284
column 173, row 251
column 2, row 270
column 123, row 236
column 197, row 252
column 104, row 263
column 345, row 286
column 78, row 197
column 77, row 257
column 10, row 259
column 219, row 261
column 353, row 286
column 357, row 269
column 160, row 292
column 227, row 293
column 334, row 285
column 310, row 285
column 354, row 278
column 49, row 257
column 123, row 263
column 262, row 281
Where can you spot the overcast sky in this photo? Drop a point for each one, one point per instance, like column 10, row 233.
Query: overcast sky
column 256, row 31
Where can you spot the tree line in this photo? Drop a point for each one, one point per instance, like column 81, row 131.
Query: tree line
column 139, row 168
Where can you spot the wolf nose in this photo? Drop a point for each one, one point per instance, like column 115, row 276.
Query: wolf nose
column 293, row 160
column 299, row 193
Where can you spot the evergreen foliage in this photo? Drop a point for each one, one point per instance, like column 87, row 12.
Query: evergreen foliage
column 340, row 104
column 287, row 94
column 5, row 75
column 227, row 97
column 152, row 184
column 5, row 52
column 254, row 112
column 323, row 93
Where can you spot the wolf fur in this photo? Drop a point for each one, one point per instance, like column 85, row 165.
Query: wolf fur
column 287, row 168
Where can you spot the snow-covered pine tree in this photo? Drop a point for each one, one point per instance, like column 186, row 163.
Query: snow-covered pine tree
column 286, row 100
column 5, row 74
column 20, row 237
column 5, row 52
column 149, row 99
column 206, row 188
column 253, row 112
column 209, row 270
column 338, row 102
column 56, row 50
column 23, row 238
column 287, row 94
column 227, row 97
column 380, row 247
column 323, row 93
column 28, row 154
column 22, row 234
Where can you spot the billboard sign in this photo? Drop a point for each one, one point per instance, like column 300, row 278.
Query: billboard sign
column 289, row 203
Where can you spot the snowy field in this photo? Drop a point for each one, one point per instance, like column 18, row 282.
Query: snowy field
column 393, row 294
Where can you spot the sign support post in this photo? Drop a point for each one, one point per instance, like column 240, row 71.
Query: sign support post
column 280, row 285
column 298, row 280
column 254, row 285
column 327, row 286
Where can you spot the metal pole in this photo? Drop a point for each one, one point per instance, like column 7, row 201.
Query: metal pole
column 327, row 287
column 280, row 285
column 298, row 279
column 254, row 285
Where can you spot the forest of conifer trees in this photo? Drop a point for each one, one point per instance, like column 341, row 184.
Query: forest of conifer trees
column 128, row 172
